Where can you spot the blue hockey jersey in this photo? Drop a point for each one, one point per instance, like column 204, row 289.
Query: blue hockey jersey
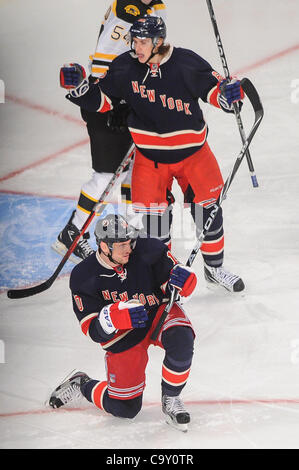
column 94, row 285
column 166, row 121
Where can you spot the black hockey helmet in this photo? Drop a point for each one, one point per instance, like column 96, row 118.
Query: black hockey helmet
column 148, row 27
column 114, row 229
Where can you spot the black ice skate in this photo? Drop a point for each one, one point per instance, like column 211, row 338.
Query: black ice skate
column 221, row 277
column 65, row 240
column 175, row 412
column 68, row 390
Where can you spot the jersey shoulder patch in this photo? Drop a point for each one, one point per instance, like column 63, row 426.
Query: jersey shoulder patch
column 129, row 10
column 158, row 5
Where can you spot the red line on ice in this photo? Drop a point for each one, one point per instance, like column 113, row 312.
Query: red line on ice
column 257, row 401
column 24, row 193
column 45, row 159
column 268, row 59
column 43, row 109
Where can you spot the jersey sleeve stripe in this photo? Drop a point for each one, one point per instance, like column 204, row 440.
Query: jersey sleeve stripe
column 104, row 63
column 99, row 71
column 85, row 323
column 159, row 6
column 106, row 104
column 212, row 97
column 100, row 55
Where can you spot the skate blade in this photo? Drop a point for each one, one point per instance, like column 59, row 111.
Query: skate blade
column 218, row 288
column 47, row 402
column 215, row 287
column 177, row 426
column 61, row 249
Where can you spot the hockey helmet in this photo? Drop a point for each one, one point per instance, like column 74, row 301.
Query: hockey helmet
column 114, row 229
column 148, row 27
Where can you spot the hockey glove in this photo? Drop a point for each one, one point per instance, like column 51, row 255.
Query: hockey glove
column 230, row 92
column 183, row 279
column 122, row 316
column 117, row 118
column 71, row 75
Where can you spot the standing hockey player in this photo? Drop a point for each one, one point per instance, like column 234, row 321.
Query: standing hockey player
column 109, row 136
column 162, row 85
column 119, row 294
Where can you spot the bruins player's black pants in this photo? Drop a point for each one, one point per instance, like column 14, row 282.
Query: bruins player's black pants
column 107, row 147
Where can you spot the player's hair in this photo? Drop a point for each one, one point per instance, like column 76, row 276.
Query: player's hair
column 163, row 49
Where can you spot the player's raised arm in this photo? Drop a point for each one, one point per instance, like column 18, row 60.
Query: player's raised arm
column 81, row 91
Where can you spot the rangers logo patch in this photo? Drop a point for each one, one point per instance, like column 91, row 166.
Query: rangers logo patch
column 154, row 70
column 121, row 272
column 112, row 378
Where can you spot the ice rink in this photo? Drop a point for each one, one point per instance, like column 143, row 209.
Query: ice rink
column 243, row 390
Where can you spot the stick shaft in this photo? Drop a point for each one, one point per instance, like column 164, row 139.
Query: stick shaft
column 227, row 76
column 259, row 112
column 97, row 209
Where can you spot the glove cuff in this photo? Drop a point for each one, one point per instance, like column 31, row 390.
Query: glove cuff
column 80, row 90
column 105, row 320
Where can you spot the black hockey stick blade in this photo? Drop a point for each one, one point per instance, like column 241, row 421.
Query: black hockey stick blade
column 98, row 209
column 253, row 96
column 29, row 291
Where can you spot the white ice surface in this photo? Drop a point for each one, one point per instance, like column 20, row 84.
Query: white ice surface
column 243, row 390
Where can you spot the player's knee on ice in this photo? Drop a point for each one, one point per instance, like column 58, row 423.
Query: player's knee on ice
column 123, row 408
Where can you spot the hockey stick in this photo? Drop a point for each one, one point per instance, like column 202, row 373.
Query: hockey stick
column 235, row 105
column 97, row 209
column 254, row 98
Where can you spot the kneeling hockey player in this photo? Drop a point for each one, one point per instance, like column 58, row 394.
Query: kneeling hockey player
column 119, row 294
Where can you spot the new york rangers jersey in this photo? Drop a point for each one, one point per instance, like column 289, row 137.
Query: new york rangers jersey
column 166, row 121
column 113, row 38
column 95, row 284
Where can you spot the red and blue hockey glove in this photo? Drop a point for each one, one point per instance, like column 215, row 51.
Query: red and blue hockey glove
column 71, row 75
column 122, row 316
column 183, row 279
column 230, row 92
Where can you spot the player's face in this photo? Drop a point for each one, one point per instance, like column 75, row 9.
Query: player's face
column 146, row 2
column 143, row 49
column 121, row 251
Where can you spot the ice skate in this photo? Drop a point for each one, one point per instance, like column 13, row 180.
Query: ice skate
column 221, row 277
column 175, row 412
column 69, row 390
column 65, row 240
